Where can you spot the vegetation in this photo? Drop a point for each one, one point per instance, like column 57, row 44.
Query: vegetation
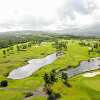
column 19, row 51
column 64, row 77
column 4, row 83
column 49, row 80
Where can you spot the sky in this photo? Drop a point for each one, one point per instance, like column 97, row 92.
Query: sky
column 49, row 15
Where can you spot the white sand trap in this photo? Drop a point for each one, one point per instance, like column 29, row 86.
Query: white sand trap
column 30, row 68
column 91, row 74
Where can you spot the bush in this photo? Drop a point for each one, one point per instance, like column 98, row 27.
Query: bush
column 28, row 94
column 4, row 83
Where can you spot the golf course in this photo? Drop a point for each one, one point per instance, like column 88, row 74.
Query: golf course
column 49, row 49
column 24, row 84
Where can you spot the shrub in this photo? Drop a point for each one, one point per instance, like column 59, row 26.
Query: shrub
column 4, row 83
column 28, row 94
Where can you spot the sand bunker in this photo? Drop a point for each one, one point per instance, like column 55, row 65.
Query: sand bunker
column 91, row 74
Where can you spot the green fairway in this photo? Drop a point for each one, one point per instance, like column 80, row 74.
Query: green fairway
column 82, row 88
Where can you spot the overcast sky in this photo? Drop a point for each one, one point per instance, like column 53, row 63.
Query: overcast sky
column 48, row 14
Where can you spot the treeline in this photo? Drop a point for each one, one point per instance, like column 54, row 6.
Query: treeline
column 94, row 46
column 19, row 47
column 7, row 40
column 10, row 40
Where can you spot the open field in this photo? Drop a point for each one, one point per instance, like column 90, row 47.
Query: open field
column 82, row 88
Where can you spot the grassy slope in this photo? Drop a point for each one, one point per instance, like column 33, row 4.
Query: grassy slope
column 72, row 57
column 19, row 59
column 82, row 89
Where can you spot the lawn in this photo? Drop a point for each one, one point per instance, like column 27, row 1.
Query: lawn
column 80, row 90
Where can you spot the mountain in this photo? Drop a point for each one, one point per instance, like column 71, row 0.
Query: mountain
column 87, row 31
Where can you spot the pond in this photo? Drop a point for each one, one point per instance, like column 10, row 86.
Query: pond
column 85, row 66
column 32, row 66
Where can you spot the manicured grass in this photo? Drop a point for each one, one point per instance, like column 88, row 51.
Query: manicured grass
column 80, row 90
column 20, row 58
column 11, row 95
column 38, row 98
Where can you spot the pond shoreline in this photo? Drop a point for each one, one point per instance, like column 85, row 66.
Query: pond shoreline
column 84, row 66
column 32, row 66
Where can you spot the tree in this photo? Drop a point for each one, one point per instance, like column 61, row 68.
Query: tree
column 90, row 50
column 46, row 78
column 8, row 50
column 64, row 77
column 18, row 48
column 47, row 84
column 60, row 47
column 29, row 44
column 4, row 83
column 4, row 52
column 53, row 77
column 11, row 48
column 49, row 79
column 24, row 46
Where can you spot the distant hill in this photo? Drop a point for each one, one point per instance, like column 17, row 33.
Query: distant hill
column 73, row 32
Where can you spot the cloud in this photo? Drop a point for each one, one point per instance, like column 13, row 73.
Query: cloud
column 49, row 14
column 79, row 6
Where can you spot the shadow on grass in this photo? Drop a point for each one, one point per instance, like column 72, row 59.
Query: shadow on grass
column 54, row 96
column 67, row 84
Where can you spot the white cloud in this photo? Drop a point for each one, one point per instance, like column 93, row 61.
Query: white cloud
column 48, row 14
